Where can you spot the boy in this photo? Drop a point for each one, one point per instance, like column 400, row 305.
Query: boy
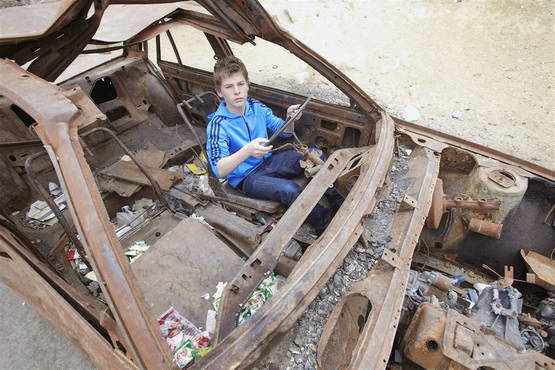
column 236, row 134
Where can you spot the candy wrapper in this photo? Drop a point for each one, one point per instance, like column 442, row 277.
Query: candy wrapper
column 185, row 340
column 265, row 291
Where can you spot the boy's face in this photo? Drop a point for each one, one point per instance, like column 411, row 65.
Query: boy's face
column 234, row 90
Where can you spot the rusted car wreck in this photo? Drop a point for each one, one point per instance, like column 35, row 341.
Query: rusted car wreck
column 450, row 242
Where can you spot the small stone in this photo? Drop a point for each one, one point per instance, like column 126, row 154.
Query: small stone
column 411, row 113
column 298, row 340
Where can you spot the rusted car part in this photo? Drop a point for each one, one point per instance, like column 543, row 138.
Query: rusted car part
column 128, row 172
column 485, row 227
column 57, row 119
column 385, row 285
column 440, row 204
column 53, row 206
column 15, row 192
column 422, row 135
column 348, row 178
column 439, row 339
column 289, row 119
column 73, row 313
column 53, row 53
column 543, row 267
column 548, row 214
column 151, row 180
column 165, row 274
column 314, row 269
column 265, row 257
column 438, row 262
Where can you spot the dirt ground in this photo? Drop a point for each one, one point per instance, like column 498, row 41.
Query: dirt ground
column 490, row 63
column 481, row 70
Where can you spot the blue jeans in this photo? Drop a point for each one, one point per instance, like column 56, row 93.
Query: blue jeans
column 272, row 181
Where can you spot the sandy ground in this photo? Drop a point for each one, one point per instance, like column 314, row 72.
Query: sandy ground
column 491, row 62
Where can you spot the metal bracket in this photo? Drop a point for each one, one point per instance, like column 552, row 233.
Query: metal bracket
column 391, row 258
column 408, row 203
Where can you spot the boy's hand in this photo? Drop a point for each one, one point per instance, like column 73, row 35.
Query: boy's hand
column 291, row 111
column 255, row 148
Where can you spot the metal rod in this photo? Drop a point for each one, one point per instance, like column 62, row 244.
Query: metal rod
column 158, row 49
column 152, row 181
column 174, row 47
column 53, row 206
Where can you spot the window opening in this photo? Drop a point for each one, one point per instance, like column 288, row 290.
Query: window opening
column 273, row 66
column 103, row 91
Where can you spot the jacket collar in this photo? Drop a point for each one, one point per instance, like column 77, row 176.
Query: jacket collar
column 223, row 111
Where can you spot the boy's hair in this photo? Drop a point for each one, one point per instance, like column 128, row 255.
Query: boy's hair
column 225, row 67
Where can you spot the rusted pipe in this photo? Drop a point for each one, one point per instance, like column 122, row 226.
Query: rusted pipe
column 479, row 204
column 485, row 227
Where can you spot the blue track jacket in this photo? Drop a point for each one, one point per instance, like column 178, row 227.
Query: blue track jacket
column 228, row 132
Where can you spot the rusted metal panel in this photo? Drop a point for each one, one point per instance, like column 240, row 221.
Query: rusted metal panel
column 167, row 277
column 385, row 285
column 315, row 267
column 445, row 140
column 57, row 121
column 543, row 267
column 206, row 23
column 30, row 24
column 439, row 339
column 127, row 171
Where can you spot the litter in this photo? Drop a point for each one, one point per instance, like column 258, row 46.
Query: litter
column 136, row 250
column 73, row 254
column 40, row 211
column 185, row 340
column 206, row 296
column 265, row 291
column 54, row 189
column 218, row 295
column 198, row 171
column 210, row 321
column 91, row 276
column 456, row 115
column 201, row 219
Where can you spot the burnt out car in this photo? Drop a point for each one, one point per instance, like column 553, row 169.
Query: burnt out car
column 113, row 229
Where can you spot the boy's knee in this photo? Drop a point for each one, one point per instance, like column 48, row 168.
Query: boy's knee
column 288, row 192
